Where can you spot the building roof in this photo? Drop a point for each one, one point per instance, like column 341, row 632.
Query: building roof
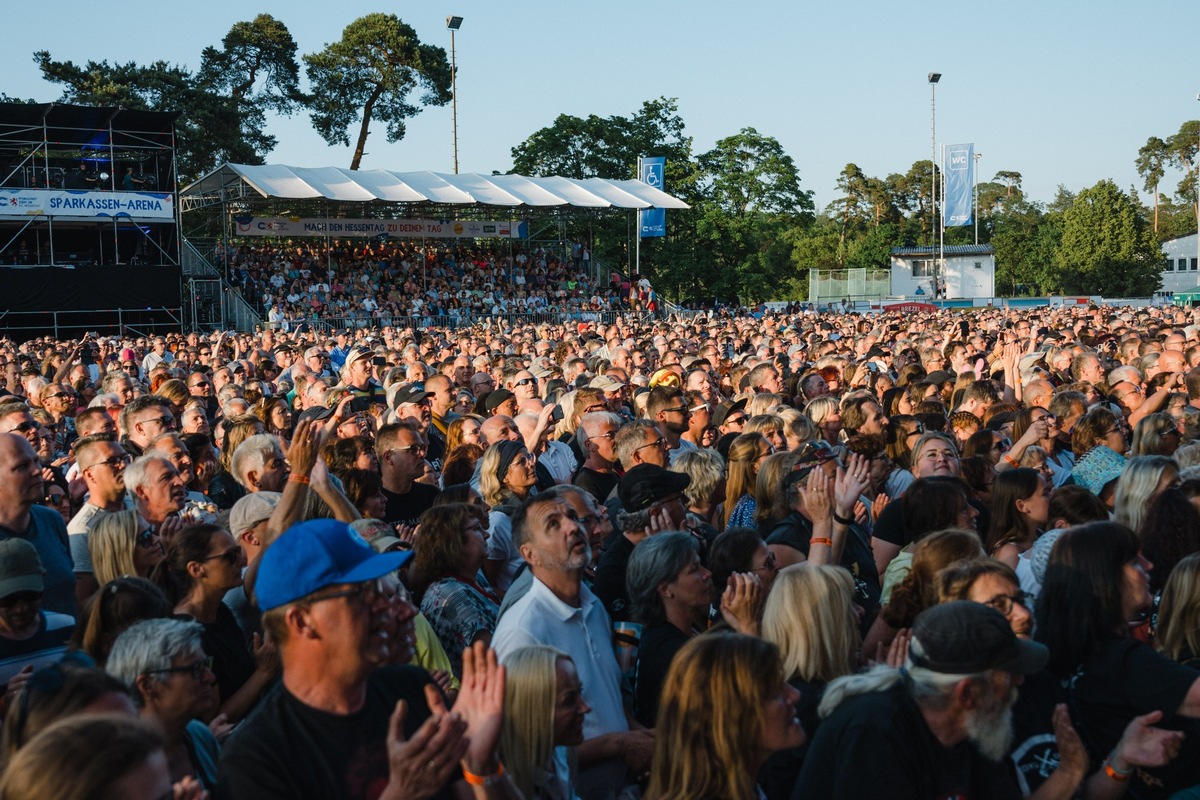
column 949, row 250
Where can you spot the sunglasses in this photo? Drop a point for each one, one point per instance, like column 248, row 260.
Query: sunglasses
column 16, row 598
column 147, row 539
column 231, row 556
column 527, row 381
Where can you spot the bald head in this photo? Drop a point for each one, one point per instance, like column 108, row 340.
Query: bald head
column 498, row 429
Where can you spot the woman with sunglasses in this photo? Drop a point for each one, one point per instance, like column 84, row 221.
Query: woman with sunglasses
column 171, row 679
column 121, row 544
column 203, row 563
column 26, row 630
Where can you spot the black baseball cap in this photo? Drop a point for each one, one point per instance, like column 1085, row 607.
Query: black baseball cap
column 723, row 410
column 964, row 638
column 647, row 484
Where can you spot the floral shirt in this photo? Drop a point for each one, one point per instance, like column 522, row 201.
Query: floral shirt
column 458, row 611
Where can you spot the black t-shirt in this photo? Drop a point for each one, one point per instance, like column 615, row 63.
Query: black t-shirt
column 233, row 663
column 1034, row 750
column 878, row 745
column 890, row 526
column 795, row 531
column 610, row 585
column 659, row 644
column 407, row 508
column 288, row 749
column 778, row 775
column 1125, row 679
column 598, row 484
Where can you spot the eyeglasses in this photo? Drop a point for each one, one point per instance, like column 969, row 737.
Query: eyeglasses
column 768, row 566
column 16, row 598
column 164, row 421
column 526, row 382
column 26, row 427
column 148, row 538
column 1003, row 444
column 595, row 407
column 1134, row 390
column 206, row 352
column 366, row 593
column 699, row 408
column 736, row 420
column 417, row 449
column 197, row 669
column 57, row 395
column 659, row 442
column 56, row 499
column 231, row 556
column 609, row 435
column 1004, row 603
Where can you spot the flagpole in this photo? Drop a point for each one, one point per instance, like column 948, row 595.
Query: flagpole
column 637, row 234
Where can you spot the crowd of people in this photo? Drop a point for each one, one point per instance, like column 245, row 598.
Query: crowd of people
column 797, row 556
column 384, row 283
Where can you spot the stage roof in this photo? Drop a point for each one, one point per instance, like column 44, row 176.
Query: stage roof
column 364, row 186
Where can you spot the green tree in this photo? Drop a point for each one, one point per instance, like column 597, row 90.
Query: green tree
column 368, row 75
column 752, row 199
column 1151, row 164
column 851, row 207
column 256, row 69
column 609, row 147
column 1011, row 181
column 1025, row 238
column 1107, row 246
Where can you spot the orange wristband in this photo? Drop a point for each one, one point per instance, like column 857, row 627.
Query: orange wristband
column 483, row 780
column 821, row 540
column 297, row 479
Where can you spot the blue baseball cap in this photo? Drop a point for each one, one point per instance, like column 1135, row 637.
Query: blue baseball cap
column 311, row 555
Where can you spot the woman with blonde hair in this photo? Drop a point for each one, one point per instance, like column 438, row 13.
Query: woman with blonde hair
column 746, row 454
column 770, row 426
column 810, row 617
column 725, row 708
column 1178, row 633
column 1142, row 481
column 543, row 698
column 120, row 545
column 703, row 495
column 1155, row 435
column 506, row 479
column 826, row 413
column 797, row 428
column 772, row 497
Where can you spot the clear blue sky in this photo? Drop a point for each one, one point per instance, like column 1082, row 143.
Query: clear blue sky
column 1062, row 92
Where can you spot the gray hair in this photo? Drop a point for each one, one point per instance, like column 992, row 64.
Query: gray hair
column 657, row 560
column 591, row 422
column 927, row 688
column 252, row 454
column 137, row 473
column 103, row 399
column 150, row 646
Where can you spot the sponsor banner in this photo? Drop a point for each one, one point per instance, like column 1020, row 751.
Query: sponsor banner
column 910, row 308
column 68, row 203
column 652, row 221
column 385, row 228
column 958, row 169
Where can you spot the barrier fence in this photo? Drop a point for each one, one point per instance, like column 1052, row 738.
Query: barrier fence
column 21, row 325
column 452, row 321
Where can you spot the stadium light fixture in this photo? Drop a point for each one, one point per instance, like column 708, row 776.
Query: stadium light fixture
column 454, row 23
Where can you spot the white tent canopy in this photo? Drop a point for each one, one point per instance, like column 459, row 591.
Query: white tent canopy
column 360, row 186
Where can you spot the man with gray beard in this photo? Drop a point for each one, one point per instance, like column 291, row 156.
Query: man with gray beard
column 938, row 728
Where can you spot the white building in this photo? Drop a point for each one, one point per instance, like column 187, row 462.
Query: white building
column 1179, row 273
column 970, row 271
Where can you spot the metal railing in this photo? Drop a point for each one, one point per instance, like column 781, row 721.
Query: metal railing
column 452, row 321
column 71, row 324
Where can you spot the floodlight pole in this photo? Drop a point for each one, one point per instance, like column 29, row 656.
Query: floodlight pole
column 454, row 23
column 975, row 180
column 934, row 77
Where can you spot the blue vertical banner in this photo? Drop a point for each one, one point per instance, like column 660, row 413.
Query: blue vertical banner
column 652, row 221
column 958, row 171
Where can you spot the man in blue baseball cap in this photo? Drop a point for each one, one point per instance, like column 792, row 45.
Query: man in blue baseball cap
column 343, row 724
